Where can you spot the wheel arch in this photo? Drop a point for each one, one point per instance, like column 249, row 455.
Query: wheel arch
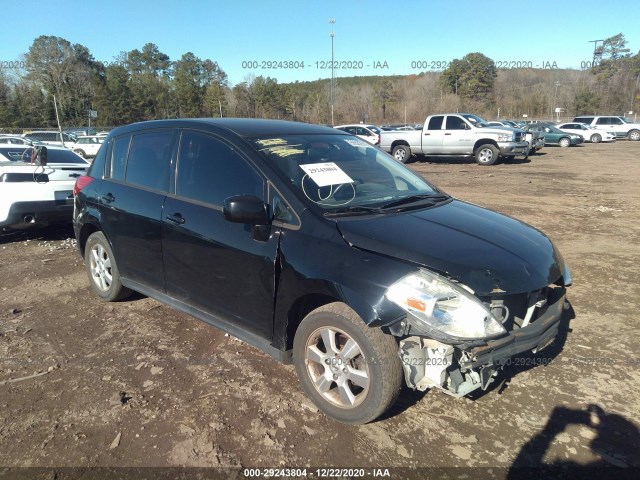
column 89, row 227
column 305, row 304
column 485, row 141
column 396, row 143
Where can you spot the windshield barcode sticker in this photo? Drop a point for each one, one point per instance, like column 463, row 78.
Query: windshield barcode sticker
column 324, row 174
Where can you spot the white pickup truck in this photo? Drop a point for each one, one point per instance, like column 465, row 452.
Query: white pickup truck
column 458, row 135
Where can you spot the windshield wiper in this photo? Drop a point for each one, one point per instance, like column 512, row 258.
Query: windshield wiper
column 435, row 198
column 355, row 209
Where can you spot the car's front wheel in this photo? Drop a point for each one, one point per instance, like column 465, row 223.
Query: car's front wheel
column 102, row 269
column 596, row 138
column 634, row 135
column 80, row 152
column 565, row 142
column 351, row 371
column 487, row 154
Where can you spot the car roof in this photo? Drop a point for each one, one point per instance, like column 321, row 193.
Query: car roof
column 243, row 127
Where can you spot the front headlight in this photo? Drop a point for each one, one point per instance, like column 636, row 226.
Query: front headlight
column 505, row 137
column 444, row 306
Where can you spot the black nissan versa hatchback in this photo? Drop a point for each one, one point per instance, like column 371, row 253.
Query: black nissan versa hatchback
column 321, row 250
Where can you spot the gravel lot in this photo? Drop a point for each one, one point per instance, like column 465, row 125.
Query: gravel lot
column 137, row 384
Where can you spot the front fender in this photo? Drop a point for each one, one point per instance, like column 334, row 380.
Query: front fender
column 313, row 273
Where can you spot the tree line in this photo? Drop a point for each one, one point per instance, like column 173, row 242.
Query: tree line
column 146, row 84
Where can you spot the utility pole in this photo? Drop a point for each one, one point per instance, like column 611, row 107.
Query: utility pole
column 55, row 105
column 552, row 106
column 332, row 21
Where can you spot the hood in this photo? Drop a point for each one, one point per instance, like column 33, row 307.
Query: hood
column 485, row 250
column 499, row 129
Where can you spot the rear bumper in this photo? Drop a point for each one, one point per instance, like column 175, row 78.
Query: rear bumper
column 38, row 214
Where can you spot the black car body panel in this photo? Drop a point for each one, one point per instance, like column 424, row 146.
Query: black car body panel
column 483, row 249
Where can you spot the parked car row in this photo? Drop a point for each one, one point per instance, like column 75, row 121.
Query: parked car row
column 461, row 134
column 84, row 145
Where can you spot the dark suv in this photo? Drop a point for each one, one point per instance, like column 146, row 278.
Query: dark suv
column 320, row 249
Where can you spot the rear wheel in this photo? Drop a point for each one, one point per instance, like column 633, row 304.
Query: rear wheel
column 565, row 142
column 596, row 138
column 487, row 154
column 402, row 153
column 81, row 152
column 351, row 371
column 634, row 135
column 102, row 269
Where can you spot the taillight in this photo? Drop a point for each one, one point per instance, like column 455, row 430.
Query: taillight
column 81, row 182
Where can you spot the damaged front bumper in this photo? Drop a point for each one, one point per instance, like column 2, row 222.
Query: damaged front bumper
column 462, row 368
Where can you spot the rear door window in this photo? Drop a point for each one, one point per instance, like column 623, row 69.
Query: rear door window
column 149, row 160
column 435, row 123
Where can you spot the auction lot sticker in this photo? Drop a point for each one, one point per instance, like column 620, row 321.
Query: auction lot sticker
column 324, row 174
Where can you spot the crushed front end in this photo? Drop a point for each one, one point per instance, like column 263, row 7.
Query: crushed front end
column 441, row 348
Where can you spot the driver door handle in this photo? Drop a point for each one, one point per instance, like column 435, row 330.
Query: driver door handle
column 108, row 198
column 176, row 218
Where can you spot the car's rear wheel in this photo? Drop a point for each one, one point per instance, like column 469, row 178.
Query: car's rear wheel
column 596, row 138
column 351, row 371
column 102, row 269
column 565, row 142
column 402, row 153
column 634, row 135
column 487, row 154
column 81, row 152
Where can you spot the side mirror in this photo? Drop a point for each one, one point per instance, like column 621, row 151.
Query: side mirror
column 245, row 209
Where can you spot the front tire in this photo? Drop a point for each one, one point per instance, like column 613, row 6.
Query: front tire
column 100, row 263
column 564, row 142
column 402, row 153
column 487, row 154
column 81, row 153
column 351, row 371
column 634, row 135
column 596, row 138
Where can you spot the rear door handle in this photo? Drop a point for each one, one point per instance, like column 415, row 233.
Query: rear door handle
column 427, row 134
column 75, row 175
column 447, row 134
column 108, row 198
column 176, row 218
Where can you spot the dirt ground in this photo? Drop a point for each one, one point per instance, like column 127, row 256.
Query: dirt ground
column 137, row 384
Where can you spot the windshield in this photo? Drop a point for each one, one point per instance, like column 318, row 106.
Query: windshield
column 626, row 120
column 374, row 129
column 476, row 121
column 340, row 172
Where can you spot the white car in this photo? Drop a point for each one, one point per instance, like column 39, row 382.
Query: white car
column 589, row 133
column 35, row 195
column 368, row 133
column 51, row 137
column 623, row 127
column 14, row 140
column 88, row 146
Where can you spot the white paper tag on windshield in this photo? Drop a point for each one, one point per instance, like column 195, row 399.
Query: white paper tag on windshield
column 324, row 174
